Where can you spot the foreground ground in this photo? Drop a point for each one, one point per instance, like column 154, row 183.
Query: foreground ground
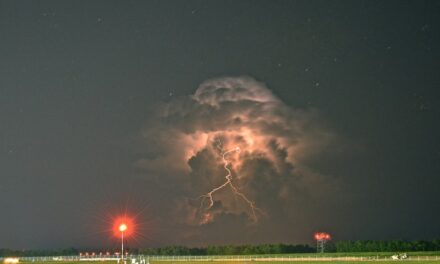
column 310, row 262
column 381, row 261
column 309, row 258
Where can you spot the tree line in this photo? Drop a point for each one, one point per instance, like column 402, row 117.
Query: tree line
column 338, row 246
column 386, row 245
column 4, row 252
column 229, row 250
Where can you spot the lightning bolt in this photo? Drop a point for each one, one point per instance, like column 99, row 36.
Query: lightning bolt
column 229, row 183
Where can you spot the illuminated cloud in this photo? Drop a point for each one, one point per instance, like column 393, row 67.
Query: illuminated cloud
column 188, row 136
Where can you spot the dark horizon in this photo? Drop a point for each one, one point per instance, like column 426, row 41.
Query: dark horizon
column 314, row 115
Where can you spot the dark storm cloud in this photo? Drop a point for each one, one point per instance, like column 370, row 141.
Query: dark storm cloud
column 276, row 142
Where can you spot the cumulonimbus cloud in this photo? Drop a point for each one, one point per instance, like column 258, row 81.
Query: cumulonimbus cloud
column 188, row 138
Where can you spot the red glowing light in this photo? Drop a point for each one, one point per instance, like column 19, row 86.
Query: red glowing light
column 322, row 236
column 123, row 227
column 123, row 224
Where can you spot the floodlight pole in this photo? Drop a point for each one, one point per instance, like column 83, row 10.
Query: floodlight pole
column 122, row 247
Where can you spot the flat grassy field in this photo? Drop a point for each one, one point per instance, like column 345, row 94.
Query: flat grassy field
column 304, row 262
column 383, row 261
column 307, row 258
column 254, row 262
column 336, row 254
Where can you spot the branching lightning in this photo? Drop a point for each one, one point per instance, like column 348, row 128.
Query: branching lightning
column 229, row 183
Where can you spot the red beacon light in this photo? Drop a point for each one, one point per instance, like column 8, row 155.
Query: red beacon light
column 322, row 236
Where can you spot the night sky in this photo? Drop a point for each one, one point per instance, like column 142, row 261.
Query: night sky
column 137, row 107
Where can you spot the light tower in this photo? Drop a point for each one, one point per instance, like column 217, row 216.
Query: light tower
column 122, row 228
column 321, row 238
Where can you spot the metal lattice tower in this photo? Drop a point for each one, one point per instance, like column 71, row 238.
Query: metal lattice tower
column 320, row 245
column 321, row 239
